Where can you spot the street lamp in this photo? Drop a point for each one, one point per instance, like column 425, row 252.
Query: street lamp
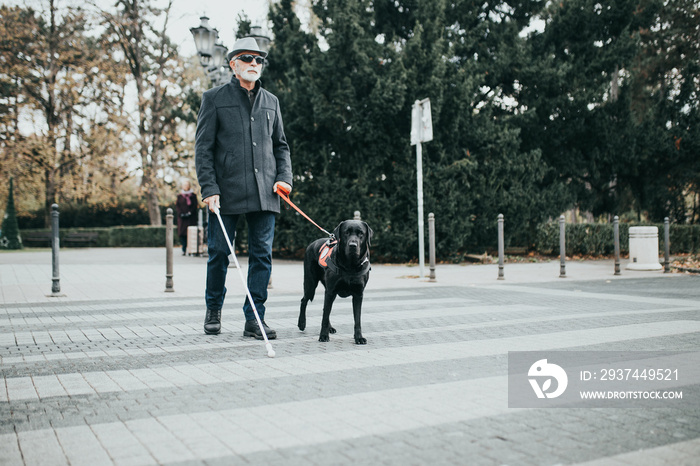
column 262, row 40
column 204, row 39
column 212, row 55
column 219, row 57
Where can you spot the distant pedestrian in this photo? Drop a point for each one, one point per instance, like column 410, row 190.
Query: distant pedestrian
column 186, row 206
column 242, row 158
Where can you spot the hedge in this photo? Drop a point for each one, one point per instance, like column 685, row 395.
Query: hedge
column 598, row 238
column 135, row 236
column 91, row 216
column 586, row 239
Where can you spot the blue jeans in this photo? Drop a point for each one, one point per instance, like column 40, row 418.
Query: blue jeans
column 261, row 231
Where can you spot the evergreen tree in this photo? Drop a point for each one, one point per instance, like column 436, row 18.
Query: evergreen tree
column 341, row 107
column 9, row 236
column 481, row 168
column 577, row 91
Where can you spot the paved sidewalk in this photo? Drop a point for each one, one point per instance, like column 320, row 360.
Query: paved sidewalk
column 116, row 371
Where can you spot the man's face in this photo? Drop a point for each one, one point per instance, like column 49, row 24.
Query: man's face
column 249, row 72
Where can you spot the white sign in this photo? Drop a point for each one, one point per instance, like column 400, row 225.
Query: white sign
column 421, row 122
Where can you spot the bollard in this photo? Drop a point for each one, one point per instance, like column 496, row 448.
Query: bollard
column 356, row 215
column 667, row 246
column 562, row 246
column 431, row 245
column 169, row 251
column 55, row 246
column 501, row 247
column 616, row 236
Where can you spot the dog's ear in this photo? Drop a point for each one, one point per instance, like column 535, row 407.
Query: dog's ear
column 369, row 233
column 337, row 230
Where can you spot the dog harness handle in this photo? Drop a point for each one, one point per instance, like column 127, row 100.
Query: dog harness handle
column 285, row 195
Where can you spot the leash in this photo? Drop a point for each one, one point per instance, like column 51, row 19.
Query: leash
column 284, row 194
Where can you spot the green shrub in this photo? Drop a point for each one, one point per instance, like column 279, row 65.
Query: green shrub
column 598, row 238
column 137, row 236
column 92, row 216
column 144, row 236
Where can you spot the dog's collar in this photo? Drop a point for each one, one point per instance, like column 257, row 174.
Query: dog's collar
column 365, row 266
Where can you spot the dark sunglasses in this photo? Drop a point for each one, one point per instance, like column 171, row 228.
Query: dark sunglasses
column 249, row 59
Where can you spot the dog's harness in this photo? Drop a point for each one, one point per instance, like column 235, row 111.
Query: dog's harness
column 326, row 256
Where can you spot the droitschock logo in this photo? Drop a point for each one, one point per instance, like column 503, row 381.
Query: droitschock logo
column 546, row 372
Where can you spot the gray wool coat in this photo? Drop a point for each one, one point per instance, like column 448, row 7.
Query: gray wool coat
column 241, row 152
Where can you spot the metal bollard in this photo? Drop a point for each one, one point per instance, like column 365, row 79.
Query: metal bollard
column 501, row 247
column 169, row 251
column 431, row 245
column 616, row 236
column 667, row 246
column 55, row 246
column 562, row 246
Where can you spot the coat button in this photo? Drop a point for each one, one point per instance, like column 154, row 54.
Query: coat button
column 256, row 170
column 255, row 144
column 252, row 119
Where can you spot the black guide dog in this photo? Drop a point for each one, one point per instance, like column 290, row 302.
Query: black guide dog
column 343, row 268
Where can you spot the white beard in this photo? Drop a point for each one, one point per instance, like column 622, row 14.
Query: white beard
column 250, row 75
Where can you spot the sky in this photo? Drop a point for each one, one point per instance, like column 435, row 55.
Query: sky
column 222, row 16
column 185, row 15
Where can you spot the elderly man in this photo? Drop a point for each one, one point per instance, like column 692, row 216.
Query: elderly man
column 242, row 159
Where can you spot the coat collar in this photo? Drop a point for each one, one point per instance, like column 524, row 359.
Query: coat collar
column 237, row 83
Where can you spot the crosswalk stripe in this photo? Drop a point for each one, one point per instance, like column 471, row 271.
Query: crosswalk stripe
column 23, row 388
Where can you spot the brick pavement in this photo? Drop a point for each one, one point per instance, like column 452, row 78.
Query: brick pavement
column 119, row 372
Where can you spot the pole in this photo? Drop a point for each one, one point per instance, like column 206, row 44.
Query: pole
column 431, row 244
column 501, row 248
column 616, row 235
column 55, row 246
column 667, row 246
column 421, row 225
column 169, row 251
column 562, row 246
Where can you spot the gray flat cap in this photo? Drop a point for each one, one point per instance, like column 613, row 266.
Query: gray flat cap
column 247, row 44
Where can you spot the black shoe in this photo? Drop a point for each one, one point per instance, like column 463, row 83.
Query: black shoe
column 212, row 322
column 252, row 329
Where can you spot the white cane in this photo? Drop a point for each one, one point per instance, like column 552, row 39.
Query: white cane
column 268, row 345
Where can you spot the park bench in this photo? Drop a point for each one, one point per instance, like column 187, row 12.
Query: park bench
column 38, row 238
column 80, row 238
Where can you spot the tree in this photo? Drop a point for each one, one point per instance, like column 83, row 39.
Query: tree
column 141, row 46
column 349, row 122
column 665, row 107
column 51, row 62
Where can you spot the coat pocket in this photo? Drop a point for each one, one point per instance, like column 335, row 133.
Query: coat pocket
column 269, row 120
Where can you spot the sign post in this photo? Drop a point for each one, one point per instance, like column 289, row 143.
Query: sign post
column 421, row 131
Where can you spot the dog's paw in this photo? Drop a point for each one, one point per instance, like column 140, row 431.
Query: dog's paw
column 323, row 338
column 331, row 329
column 360, row 341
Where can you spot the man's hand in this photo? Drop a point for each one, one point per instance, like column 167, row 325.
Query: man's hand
column 212, row 201
column 283, row 187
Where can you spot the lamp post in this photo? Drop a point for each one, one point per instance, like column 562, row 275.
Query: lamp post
column 262, row 40
column 212, row 54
